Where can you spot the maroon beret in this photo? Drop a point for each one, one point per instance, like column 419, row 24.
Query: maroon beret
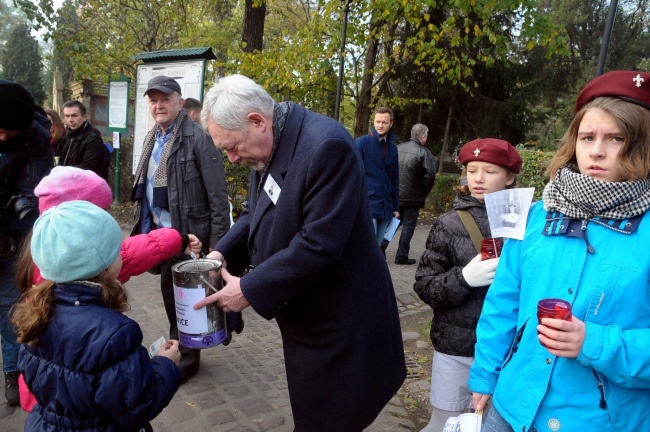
column 630, row 86
column 493, row 151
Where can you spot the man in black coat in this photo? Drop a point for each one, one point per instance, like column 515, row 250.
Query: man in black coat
column 25, row 158
column 83, row 146
column 417, row 173
column 308, row 240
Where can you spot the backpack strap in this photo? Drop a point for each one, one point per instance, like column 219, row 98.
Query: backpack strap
column 471, row 227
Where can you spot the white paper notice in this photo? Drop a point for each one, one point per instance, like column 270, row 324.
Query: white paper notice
column 190, row 321
column 118, row 92
column 508, row 212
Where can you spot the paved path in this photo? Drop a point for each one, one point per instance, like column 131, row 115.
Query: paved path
column 242, row 387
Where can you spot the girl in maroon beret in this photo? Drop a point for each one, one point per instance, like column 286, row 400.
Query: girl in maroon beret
column 586, row 244
column 452, row 278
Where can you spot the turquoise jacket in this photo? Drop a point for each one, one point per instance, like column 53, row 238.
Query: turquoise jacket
column 607, row 387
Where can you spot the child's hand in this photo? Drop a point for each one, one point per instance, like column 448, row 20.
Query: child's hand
column 171, row 351
column 480, row 401
column 194, row 245
column 562, row 338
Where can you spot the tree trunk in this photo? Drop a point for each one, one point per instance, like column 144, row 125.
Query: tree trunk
column 362, row 115
column 445, row 141
column 252, row 35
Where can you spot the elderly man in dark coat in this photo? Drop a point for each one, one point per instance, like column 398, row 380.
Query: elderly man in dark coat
column 308, row 241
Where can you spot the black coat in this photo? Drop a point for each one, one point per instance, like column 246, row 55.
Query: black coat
column 440, row 282
column 417, row 173
column 320, row 273
column 24, row 160
column 84, row 148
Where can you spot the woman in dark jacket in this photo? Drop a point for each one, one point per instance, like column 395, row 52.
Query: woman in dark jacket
column 57, row 131
column 453, row 279
column 81, row 357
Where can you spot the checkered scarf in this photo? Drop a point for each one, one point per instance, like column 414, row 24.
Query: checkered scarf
column 582, row 197
column 147, row 148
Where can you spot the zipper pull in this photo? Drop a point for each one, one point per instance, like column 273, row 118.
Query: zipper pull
column 601, row 387
column 590, row 248
column 603, row 402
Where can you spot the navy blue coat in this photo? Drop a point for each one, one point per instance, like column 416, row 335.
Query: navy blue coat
column 382, row 174
column 90, row 372
column 320, row 273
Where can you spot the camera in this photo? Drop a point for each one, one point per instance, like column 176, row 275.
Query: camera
column 10, row 241
column 22, row 205
column 16, row 209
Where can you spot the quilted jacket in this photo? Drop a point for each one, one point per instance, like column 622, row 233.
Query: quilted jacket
column 90, row 372
column 440, row 283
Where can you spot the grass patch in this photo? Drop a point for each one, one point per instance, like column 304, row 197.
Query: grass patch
column 424, row 330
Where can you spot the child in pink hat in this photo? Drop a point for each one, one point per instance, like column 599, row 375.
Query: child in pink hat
column 139, row 253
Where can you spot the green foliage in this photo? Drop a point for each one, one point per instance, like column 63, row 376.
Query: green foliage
column 21, row 61
column 10, row 16
column 533, row 173
column 441, row 198
column 238, row 179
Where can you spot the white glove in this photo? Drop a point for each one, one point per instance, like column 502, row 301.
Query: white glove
column 478, row 273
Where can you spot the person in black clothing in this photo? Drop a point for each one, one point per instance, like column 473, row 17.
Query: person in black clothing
column 83, row 146
column 417, row 173
column 25, row 158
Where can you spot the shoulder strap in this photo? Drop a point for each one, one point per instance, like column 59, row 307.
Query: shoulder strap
column 471, row 227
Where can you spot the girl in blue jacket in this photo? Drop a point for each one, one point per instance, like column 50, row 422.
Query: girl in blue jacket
column 80, row 355
column 587, row 243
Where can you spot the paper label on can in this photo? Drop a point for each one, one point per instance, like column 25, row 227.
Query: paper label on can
column 189, row 320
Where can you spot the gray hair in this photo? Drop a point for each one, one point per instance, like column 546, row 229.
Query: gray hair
column 231, row 99
column 418, row 130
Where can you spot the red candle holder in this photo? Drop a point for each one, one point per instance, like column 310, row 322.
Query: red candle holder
column 491, row 248
column 554, row 308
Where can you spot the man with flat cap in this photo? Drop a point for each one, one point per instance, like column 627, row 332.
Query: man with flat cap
column 180, row 183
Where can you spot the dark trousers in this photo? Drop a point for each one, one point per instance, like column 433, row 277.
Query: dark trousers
column 189, row 357
column 409, row 216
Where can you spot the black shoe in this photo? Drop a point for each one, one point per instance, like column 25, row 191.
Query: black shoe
column 11, row 388
column 188, row 372
column 190, row 360
column 240, row 325
column 405, row 261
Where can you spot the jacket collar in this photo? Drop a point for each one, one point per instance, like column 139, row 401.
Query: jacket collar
column 560, row 224
column 83, row 292
column 465, row 202
column 79, row 132
column 392, row 138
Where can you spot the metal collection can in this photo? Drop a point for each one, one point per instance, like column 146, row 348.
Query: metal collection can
column 193, row 281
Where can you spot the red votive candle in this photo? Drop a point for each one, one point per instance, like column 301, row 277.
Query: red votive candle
column 554, row 308
column 491, row 248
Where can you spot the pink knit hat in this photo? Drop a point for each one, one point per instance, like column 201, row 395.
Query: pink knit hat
column 66, row 183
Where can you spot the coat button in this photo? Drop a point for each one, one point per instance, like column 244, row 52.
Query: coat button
column 534, row 430
column 548, row 361
column 570, row 290
column 254, row 249
column 77, row 303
